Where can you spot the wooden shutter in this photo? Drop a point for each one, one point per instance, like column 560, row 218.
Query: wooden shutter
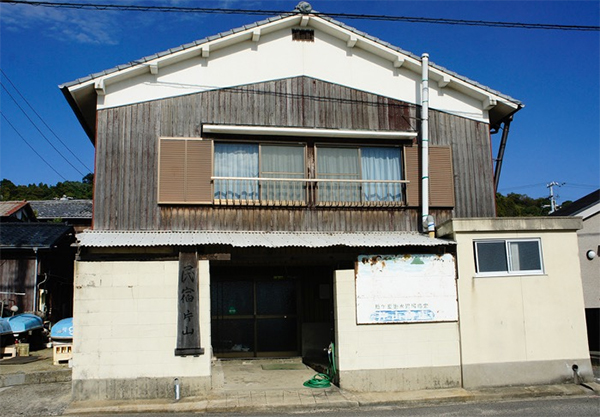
column 441, row 176
column 413, row 175
column 171, row 171
column 184, row 171
column 199, row 171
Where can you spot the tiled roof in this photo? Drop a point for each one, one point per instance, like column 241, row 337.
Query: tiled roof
column 9, row 207
column 94, row 238
column 62, row 209
column 33, row 235
column 580, row 205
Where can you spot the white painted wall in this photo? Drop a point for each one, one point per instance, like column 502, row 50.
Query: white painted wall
column 388, row 346
column 589, row 239
column 522, row 318
column 276, row 56
column 125, row 321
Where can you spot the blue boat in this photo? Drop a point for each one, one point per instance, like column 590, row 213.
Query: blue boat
column 62, row 330
column 5, row 328
column 26, row 322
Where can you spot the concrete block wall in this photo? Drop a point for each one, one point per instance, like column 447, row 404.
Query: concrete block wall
column 392, row 357
column 125, row 324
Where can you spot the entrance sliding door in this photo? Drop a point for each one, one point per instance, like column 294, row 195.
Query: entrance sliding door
column 254, row 317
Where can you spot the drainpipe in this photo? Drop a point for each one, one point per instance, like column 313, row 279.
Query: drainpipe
column 501, row 152
column 428, row 221
column 35, row 282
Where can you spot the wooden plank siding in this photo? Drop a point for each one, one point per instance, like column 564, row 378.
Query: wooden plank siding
column 127, row 156
column 17, row 275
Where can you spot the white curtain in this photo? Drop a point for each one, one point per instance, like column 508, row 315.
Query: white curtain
column 282, row 162
column 381, row 164
column 236, row 160
column 338, row 164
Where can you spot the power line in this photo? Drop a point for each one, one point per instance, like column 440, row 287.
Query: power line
column 42, row 120
column 38, row 129
column 205, row 10
column 32, row 148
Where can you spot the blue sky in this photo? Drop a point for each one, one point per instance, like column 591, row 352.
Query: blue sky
column 556, row 74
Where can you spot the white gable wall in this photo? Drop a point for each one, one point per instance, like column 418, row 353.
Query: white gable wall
column 276, row 56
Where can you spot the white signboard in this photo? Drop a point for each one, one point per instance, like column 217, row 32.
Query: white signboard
column 405, row 289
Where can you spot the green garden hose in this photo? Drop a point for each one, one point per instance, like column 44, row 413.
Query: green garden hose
column 324, row 380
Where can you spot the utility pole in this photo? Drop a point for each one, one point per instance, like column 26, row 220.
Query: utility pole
column 552, row 197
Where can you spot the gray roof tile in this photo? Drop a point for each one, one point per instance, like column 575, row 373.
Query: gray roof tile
column 33, row 235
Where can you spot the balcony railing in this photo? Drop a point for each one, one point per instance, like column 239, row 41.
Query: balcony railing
column 308, row 192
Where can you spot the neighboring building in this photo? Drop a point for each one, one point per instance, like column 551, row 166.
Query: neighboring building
column 262, row 192
column 36, row 268
column 16, row 211
column 588, row 208
column 76, row 213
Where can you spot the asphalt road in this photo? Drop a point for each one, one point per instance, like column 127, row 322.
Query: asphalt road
column 35, row 400
column 553, row 407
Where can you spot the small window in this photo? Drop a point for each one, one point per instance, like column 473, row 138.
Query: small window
column 498, row 257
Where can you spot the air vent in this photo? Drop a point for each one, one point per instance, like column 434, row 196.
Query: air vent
column 303, row 35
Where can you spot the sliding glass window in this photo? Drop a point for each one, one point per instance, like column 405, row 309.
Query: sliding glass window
column 343, row 168
column 239, row 169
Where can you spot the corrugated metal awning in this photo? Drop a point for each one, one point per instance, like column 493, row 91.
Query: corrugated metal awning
column 244, row 239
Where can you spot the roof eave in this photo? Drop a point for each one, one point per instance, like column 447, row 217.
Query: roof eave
column 93, row 83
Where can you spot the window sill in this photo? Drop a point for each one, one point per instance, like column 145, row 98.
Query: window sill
column 511, row 275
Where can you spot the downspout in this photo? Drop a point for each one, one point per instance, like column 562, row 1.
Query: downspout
column 428, row 221
column 507, row 120
column 500, row 157
column 35, row 283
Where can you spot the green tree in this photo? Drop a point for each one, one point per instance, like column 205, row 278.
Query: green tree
column 72, row 189
column 521, row 205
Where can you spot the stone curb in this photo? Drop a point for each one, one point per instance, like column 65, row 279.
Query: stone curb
column 346, row 400
column 43, row 377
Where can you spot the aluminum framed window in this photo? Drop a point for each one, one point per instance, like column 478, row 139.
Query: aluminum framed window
column 508, row 257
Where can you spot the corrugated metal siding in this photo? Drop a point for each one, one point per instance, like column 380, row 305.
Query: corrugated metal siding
column 252, row 239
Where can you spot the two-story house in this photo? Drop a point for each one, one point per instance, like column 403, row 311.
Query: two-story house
column 274, row 188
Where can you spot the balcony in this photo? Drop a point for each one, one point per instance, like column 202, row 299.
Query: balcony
column 302, row 192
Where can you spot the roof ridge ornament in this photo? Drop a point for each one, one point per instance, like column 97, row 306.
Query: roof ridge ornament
column 304, row 7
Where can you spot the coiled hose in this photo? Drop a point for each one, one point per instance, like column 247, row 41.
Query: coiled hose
column 321, row 380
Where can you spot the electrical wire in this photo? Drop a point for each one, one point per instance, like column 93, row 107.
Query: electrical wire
column 42, row 120
column 32, row 148
column 205, row 10
column 40, row 132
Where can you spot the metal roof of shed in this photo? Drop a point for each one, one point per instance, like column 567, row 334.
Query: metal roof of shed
column 10, row 207
column 242, row 239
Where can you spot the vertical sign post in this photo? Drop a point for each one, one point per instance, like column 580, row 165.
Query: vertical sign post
column 188, row 306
